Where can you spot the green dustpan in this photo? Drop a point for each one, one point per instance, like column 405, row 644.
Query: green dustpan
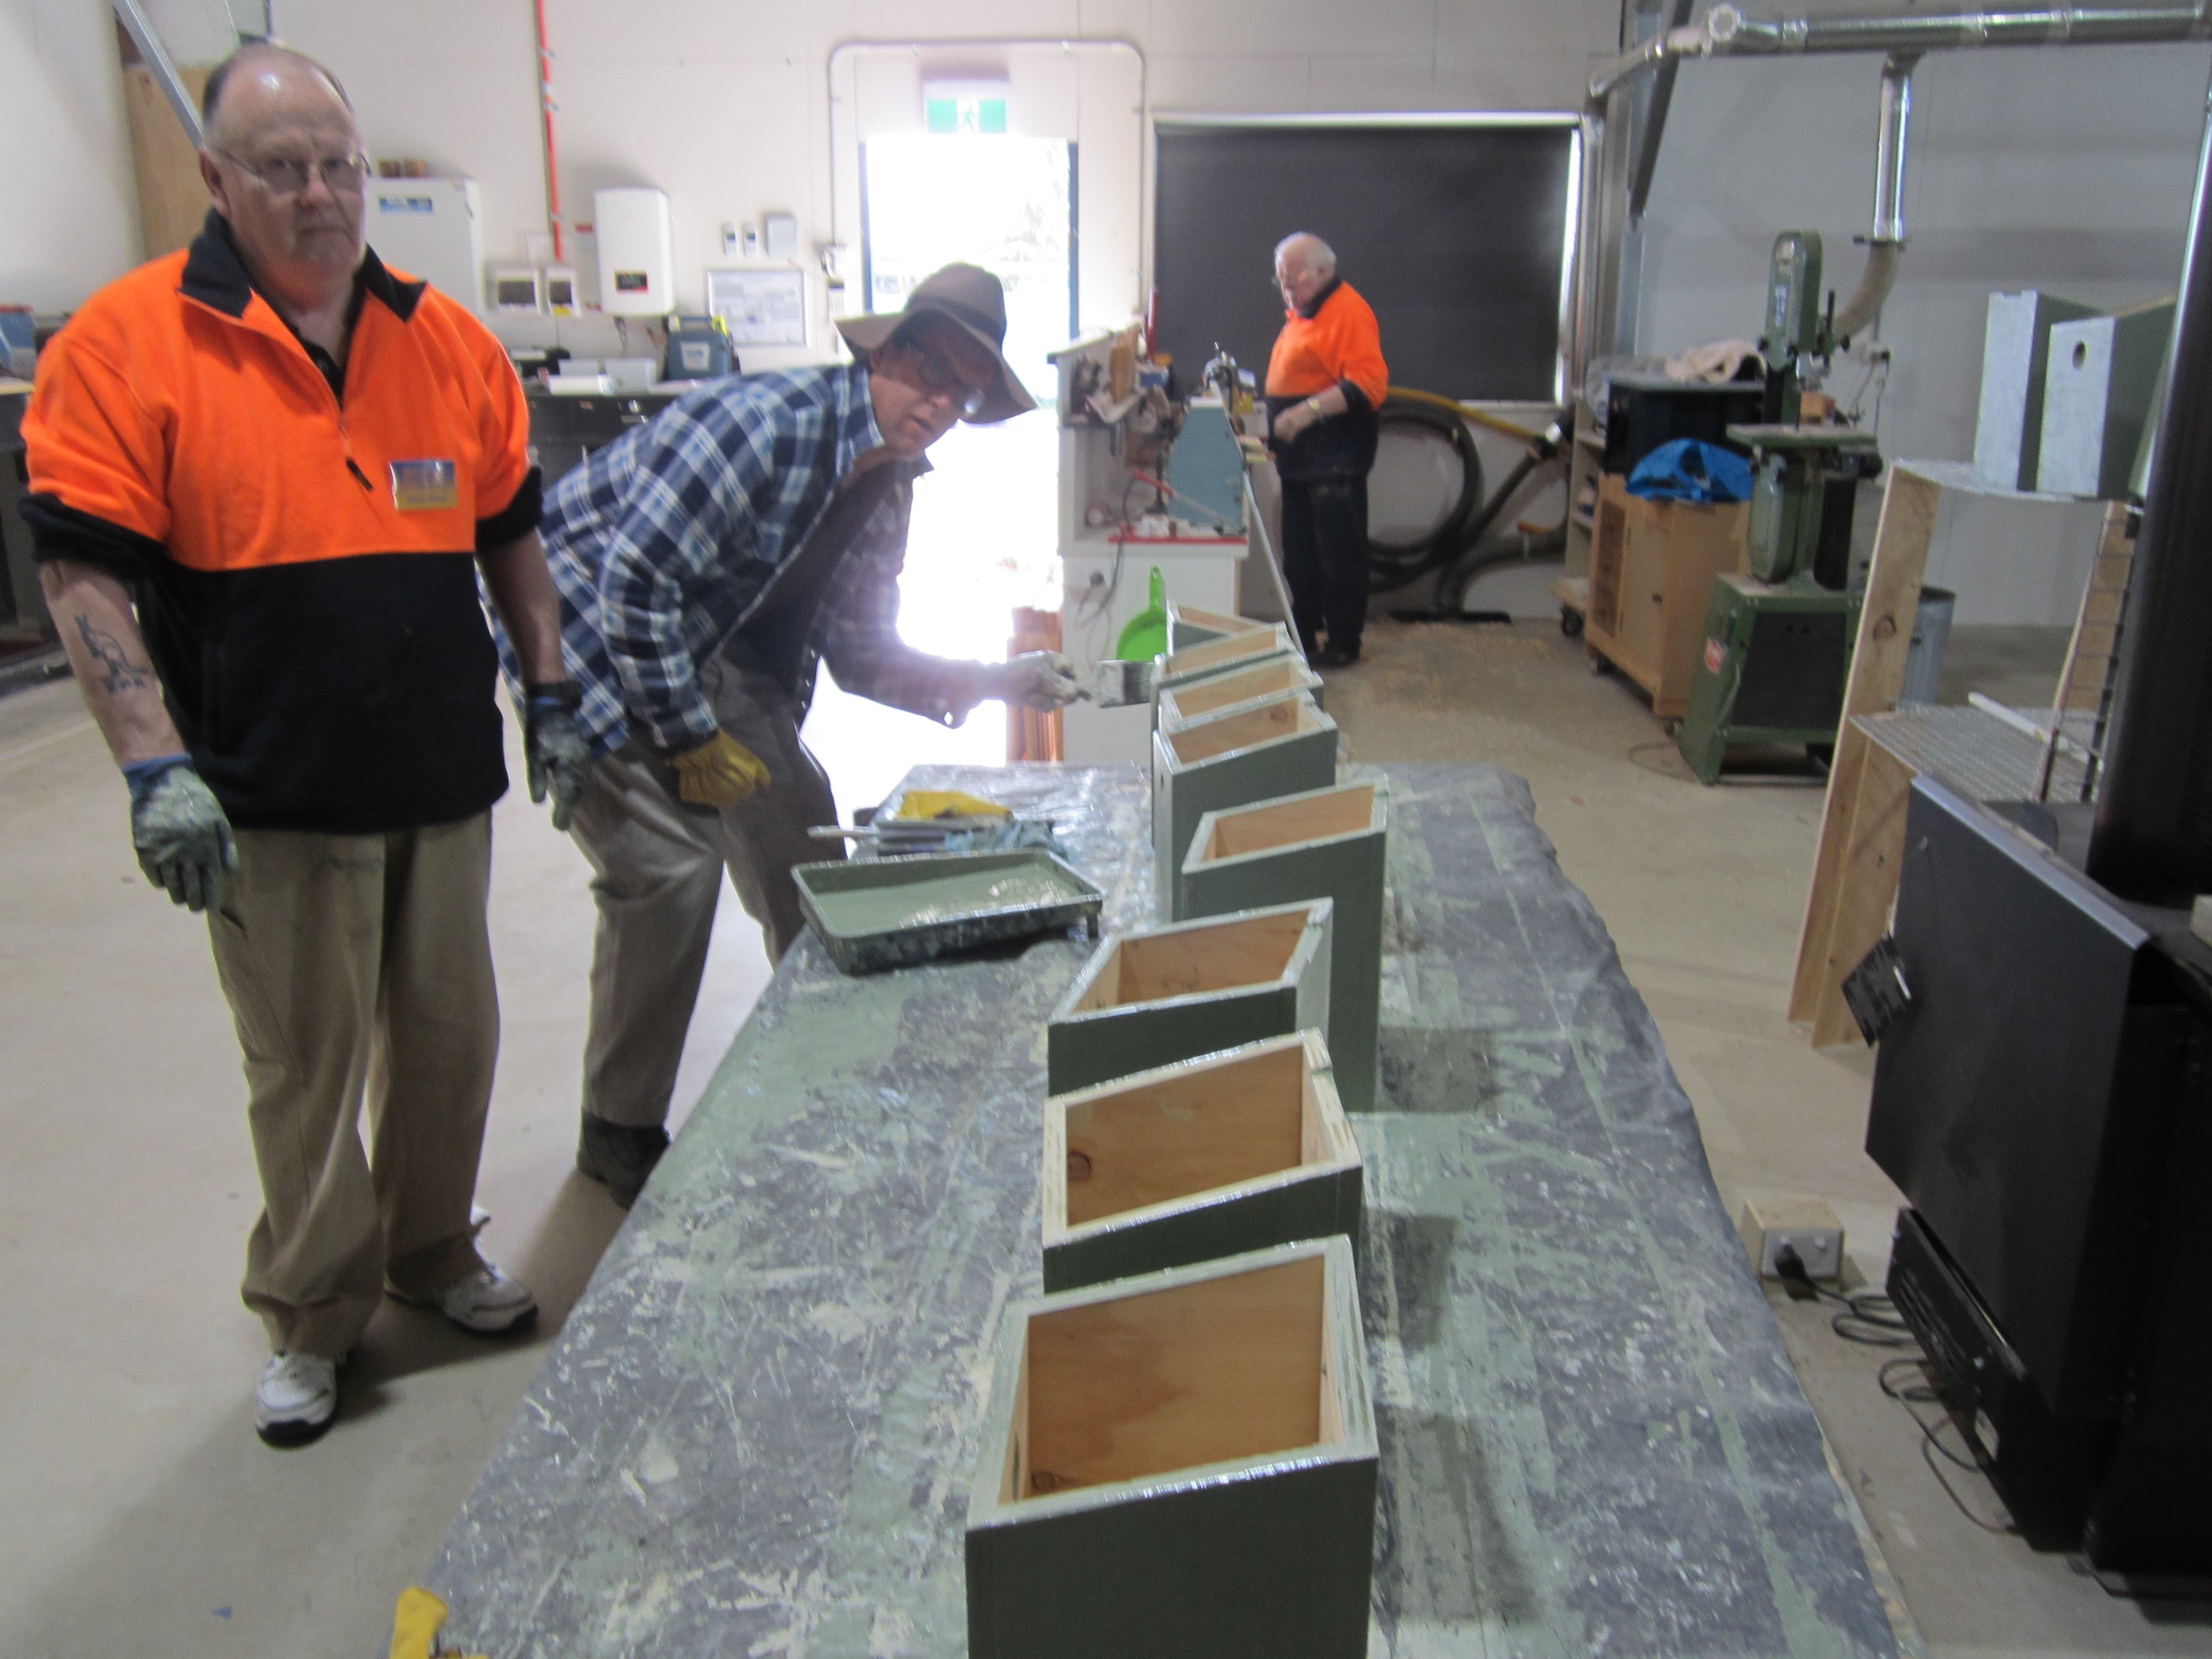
column 1146, row 635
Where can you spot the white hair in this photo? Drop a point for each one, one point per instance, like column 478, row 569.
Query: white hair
column 1316, row 255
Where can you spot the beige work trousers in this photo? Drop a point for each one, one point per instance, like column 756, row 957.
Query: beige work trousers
column 360, row 965
column 657, row 876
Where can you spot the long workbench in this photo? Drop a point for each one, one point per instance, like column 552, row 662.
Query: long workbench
column 755, row 1433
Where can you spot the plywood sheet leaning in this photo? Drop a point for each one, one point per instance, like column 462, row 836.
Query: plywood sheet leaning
column 1151, row 996
column 1863, row 829
column 1194, row 1162
column 1180, row 1466
column 1233, row 692
column 1326, row 843
column 1188, row 625
column 1275, row 747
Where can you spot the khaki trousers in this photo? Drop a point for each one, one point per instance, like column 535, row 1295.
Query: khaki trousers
column 360, row 965
column 657, row 875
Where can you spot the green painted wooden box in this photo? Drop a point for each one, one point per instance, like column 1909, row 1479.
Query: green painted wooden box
column 1224, row 655
column 1325, row 843
column 1154, row 995
column 1233, row 692
column 1188, row 625
column 1205, row 1158
column 1180, row 1466
column 1274, row 748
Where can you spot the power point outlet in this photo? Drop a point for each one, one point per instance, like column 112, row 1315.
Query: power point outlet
column 1803, row 1225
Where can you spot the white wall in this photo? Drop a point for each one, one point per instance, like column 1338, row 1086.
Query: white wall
column 68, row 206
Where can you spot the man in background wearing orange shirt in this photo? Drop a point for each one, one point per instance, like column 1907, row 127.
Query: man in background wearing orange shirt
column 1325, row 381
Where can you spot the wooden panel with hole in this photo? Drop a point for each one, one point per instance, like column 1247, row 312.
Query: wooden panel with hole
column 1154, row 995
column 1326, row 843
column 1275, row 747
column 1181, row 1465
column 1205, row 1159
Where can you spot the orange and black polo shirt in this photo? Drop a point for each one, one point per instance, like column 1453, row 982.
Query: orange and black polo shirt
column 302, row 543
column 1333, row 341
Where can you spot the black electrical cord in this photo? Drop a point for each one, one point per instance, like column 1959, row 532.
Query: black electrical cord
column 1869, row 1318
column 1931, row 1444
column 1393, row 564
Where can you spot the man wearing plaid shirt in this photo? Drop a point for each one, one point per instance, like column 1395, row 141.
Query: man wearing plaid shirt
column 708, row 563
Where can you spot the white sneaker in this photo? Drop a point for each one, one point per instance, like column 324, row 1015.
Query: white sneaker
column 487, row 1302
column 296, row 1398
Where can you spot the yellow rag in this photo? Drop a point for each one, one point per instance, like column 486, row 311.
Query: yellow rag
column 948, row 803
column 416, row 1625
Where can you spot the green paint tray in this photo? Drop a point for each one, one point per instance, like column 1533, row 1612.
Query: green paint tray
column 874, row 913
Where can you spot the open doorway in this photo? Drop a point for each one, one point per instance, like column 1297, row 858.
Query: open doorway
column 984, row 535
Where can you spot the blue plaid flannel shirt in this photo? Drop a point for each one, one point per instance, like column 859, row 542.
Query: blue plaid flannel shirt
column 660, row 543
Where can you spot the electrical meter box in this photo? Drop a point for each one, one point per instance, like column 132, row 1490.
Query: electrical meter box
column 431, row 228
column 637, row 259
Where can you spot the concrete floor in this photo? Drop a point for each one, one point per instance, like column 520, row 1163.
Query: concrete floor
column 145, row 1518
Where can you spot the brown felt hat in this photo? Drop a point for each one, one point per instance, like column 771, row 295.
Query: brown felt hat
column 971, row 296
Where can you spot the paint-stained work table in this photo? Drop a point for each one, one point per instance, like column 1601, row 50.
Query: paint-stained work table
column 755, row 1433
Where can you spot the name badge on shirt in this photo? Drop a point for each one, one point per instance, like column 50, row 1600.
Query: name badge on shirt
column 425, row 486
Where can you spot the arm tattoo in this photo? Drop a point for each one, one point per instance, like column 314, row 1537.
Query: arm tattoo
column 118, row 674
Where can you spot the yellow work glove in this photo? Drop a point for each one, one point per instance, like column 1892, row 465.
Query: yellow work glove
column 720, row 772
column 415, row 1628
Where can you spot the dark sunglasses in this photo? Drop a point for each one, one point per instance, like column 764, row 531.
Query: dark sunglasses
column 937, row 374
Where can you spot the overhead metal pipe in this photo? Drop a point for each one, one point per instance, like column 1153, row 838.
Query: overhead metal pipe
column 1725, row 32
column 2153, row 840
column 1885, row 243
column 148, row 39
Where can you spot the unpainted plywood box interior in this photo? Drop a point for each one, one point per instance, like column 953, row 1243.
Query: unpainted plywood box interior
column 1271, row 825
column 1189, row 622
column 1216, row 654
column 1265, row 1110
column 1225, row 1367
column 1274, row 678
column 1192, row 961
column 1285, row 717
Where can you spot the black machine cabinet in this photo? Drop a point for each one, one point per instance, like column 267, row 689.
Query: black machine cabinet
column 2043, row 1105
column 564, row 430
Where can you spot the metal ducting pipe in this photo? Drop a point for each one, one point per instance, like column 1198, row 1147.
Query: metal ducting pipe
column 1885, row 244
column 2152, row 840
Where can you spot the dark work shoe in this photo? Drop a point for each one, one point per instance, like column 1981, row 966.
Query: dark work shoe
column 619, row 1157
column 1336, row 656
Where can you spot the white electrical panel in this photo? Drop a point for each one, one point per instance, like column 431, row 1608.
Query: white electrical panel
column 430, row 228
column 637, row 259
column 515, row 288
column 561, row 291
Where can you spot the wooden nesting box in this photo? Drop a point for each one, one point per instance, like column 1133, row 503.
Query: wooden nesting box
column 1205, row 1159
column 1271, row 749
column 1179, row 1467
column 1188, row 625
column 1326, row 843
column 1232, row 692
column 1219, row 656
column 1155, row 995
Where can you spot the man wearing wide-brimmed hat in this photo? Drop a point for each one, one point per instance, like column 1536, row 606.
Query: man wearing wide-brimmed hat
column 708, row 562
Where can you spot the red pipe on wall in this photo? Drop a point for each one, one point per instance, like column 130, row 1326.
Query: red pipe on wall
column 552, row 157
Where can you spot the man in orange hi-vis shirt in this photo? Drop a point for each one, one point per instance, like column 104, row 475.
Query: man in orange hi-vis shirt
column 1325, row 381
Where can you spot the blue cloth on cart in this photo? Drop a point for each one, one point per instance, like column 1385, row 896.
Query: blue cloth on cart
column 1688, row 469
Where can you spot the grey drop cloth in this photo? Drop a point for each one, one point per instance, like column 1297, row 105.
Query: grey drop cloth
column 755, row 1434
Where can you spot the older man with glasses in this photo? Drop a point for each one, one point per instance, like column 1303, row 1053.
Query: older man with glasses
column 708, row 563
column 266, row 474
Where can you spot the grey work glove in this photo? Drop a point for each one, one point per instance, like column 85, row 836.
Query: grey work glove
column 184, row 840
column 1036, row 679
column 555, row 756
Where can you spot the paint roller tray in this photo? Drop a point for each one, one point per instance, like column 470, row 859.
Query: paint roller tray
column 874, row 913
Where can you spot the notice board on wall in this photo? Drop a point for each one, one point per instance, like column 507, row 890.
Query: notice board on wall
column 1459, row 231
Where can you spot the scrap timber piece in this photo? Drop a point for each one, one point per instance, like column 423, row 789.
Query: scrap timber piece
column 1233, row 692
column 1155, row 995
column 1205, row 1159
column 1274, row 748
column 1325, row 843
column 1180, row 1466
